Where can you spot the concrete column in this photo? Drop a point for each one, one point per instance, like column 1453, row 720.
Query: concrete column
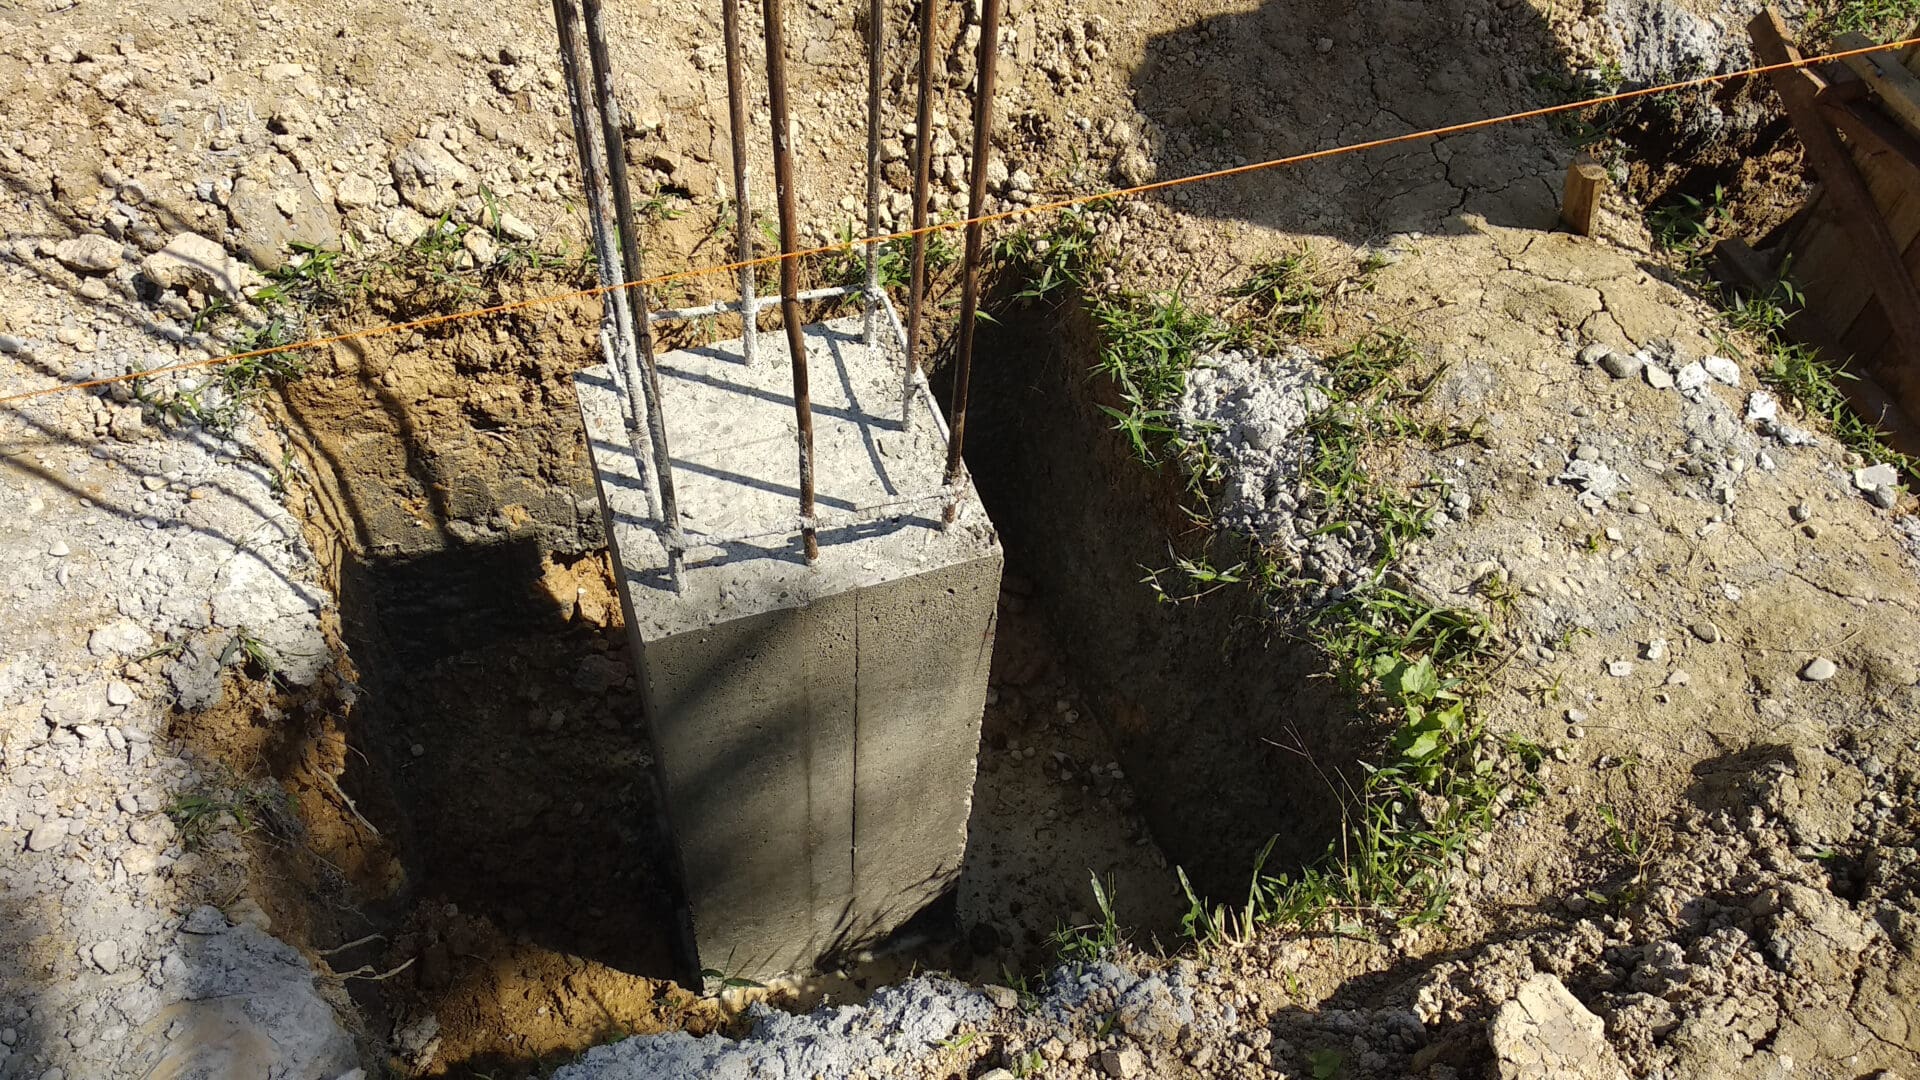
column 815, row 728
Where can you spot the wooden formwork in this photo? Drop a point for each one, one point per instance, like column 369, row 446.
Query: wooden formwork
column 1854, row 250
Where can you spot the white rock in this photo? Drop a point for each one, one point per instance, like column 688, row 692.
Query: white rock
column 1722, row 370
column 1620, row 669
column 1820, row 669
column 59, row 549
column 1545, row 1031
column 1658, row 377
column 119, row 693
column 1691, row 377
column 88, row 254
column 106, row 954
column 48, row 834
column 1875, row 476
column 428, row 177
column 354, row 192
column 191, row 261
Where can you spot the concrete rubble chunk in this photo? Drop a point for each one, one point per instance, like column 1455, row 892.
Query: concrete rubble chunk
column 1722, row 370
column 1545, row 1032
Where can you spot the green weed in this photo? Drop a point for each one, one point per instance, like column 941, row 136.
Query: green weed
column 1286, row 294
column 1092, row 941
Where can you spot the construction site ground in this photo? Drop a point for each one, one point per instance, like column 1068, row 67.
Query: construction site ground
column 319, row 747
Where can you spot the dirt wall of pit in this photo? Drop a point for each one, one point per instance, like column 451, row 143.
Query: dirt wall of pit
column 1230, row 732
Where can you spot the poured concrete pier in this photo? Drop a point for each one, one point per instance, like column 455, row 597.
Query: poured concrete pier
column 816, row 727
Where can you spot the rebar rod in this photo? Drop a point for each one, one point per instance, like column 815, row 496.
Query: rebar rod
column 876, row 63
column 633, row 271
column 922, row 176
column 976, row 196
column 622, row 362
column 742, row 208
column 789, row 265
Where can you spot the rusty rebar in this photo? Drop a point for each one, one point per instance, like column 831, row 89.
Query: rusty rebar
column 633, row 271
column 742, row 208
column 922, row 177
column 976, row 196
column 789, row 265
column 622, row 361
column 876, row 62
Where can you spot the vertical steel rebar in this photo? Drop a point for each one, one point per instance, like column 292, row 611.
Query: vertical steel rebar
column 876, row 63
column 789, row 267
column 743, row 211
column 623, row 363
column 976, row 198
column 632, row 272
column 922, row 176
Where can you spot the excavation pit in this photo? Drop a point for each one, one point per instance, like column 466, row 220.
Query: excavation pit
column 815, row 724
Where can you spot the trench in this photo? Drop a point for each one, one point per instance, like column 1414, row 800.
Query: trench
column 1232, row 733
column 494, row 738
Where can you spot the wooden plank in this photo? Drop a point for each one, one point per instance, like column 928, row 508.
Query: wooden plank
column 1580, row 199
column 1881, row 260
column 1898, row 88
column 1895, row 193
column 1872, row 133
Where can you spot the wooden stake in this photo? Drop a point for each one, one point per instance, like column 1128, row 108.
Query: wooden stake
column 1580, row 202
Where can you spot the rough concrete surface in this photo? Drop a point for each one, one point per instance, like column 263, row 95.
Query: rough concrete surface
column 816, row 726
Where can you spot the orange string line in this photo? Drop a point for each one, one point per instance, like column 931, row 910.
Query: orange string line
column 1038, row 208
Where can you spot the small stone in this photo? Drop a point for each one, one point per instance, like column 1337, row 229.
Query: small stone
column 418, row 750
column 106, row 955
column 1576, row 716
column 1620, row 669
column 48, row 834
column 1722, row 370
column 128, row 803
column 1593, row 354
column 1875, row 477
column 1323, row 46
column 1691, row 377
column 59, row 549
column 1800, row 511
column 1003, row 997
column 1679, row 678
column 88, row 254
column 1124, row 1064
column 1706, row 632
column 1658, row 377
column 1819, row 670
column 1639, row 508
column 1622, row 365
column 119, row 693
column 353, row 192
column 1575, row 731
column 1656, row 649
column 996, row 1074
column 1886, row 498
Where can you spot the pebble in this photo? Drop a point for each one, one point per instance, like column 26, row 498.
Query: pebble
column 1621, row 365
column 1679, row 678
column 1800, row 511
column 48, row 834
column 1884, row 497
column 1124, row 1064
column 1657, row 649
column 1640, row 508
column 1658, row 377
column 1690, row 377
column 59, row 549
column 119, row 693
column 1875, row 477
column 1706, row 632
column 1576, row 716
column 1819, row 670
column 1722, row 370
column 1593, row 354
column 1619, row 669
column 106, row 954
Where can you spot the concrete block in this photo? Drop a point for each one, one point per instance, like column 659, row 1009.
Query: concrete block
column 815, row 727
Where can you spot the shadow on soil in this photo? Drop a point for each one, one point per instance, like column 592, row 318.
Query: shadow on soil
column 1285, row 79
